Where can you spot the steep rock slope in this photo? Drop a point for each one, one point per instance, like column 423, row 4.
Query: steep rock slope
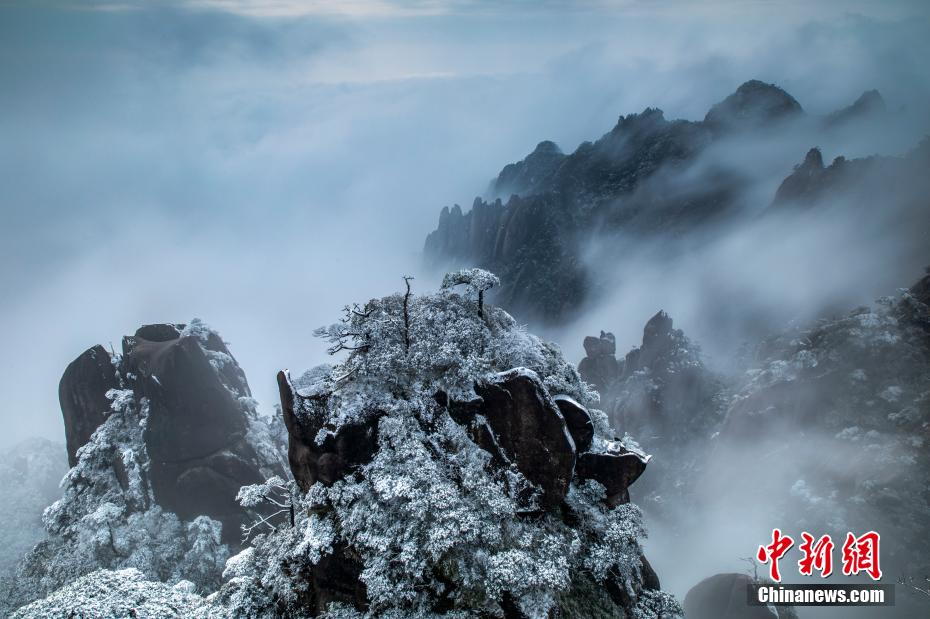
column 855, row 392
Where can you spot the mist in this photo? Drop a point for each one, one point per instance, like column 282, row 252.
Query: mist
column 260, row 170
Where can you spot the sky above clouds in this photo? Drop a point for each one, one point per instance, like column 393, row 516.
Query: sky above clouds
column 259, row 164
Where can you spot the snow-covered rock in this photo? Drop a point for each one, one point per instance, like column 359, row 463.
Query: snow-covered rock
column 462, row 500
column 154, row 485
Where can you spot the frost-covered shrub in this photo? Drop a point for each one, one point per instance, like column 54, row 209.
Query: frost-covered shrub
column 108, row 519
column 431, row 526
column 106, row 594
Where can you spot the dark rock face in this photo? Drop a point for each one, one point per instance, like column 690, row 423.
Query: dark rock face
column 525, row 176
column 654, row 388
column 663, row 384
column 514, row 240
column 577, row 420
column 82, row 395
column 196, row 430
column 335, row 578
column 340, row 452
column 899, row 182
column 811, row 180
column 547, row 444
column 723, row 596
column 600, row 368
column 517, row 422
column 531, row 432
column 546, row 219
column 616, row 469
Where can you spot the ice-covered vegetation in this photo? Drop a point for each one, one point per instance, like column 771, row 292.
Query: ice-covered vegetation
column 108, row 518
column 112, row 594
column 432, row 526
column 430, row 523
column 110, row 515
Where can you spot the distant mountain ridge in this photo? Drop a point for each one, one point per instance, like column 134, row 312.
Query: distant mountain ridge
column 540, row 214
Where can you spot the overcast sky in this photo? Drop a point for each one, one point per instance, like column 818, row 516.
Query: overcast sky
column 258, row 164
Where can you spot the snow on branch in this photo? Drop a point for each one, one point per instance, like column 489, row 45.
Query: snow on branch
column 477, row 280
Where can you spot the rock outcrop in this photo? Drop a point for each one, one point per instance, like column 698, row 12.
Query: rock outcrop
column 82, row 393
column 811, row 180
column 526, row 428
column 662, row 394
column 723, row 596
column 197, row 417
column 578, row 421
column 528, row 175
column 548, row 439
column 656, row 389
column 341, row 450
column 600, row 368
column 859, row 184
column 616, row 469
column 514, row 419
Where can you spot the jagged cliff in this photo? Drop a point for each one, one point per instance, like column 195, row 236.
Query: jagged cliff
column 543, row 217
column 867, row 182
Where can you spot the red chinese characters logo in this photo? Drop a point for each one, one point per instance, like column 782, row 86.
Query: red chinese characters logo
column 775, row 551
column 860, row 554
column 817, row 555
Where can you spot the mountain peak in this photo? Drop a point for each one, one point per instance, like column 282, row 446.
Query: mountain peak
column 869, row 103
column 547, row 147
column 754, row 103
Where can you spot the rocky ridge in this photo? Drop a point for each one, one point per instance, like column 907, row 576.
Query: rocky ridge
column 542, row 216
